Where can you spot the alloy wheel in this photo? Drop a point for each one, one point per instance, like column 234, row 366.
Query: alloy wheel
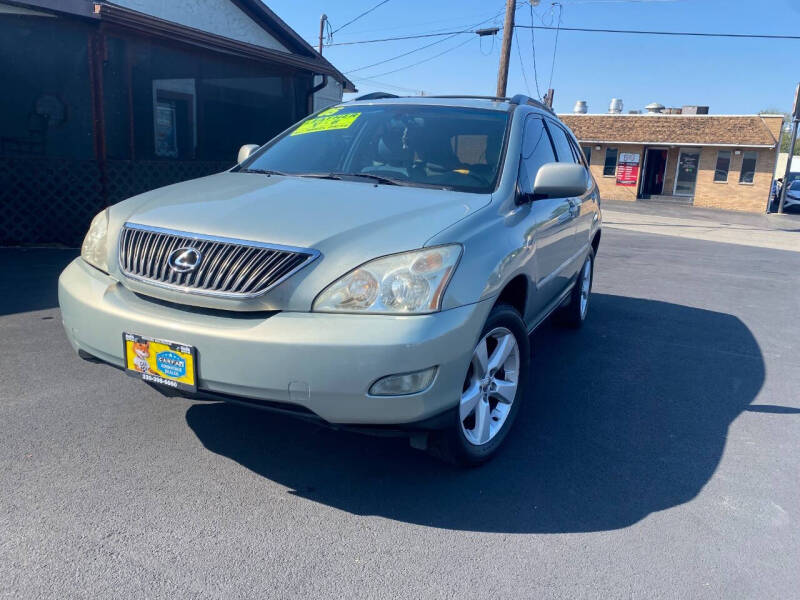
column 586, row 286
column 490, row 386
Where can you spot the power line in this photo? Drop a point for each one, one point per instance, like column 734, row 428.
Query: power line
column 457, row 46
column 533, row 53
column 454, row 34
column 402, row 37
column 555, row 45
column 387, row 85
column 522, row 65
column 670, row 33
column 449, row 26
column 366, row 12
column 404, row 54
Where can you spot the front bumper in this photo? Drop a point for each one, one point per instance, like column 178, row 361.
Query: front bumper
column 322, row 362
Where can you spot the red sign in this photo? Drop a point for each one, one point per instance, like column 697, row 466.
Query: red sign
column 628, row 169
column 627, row 173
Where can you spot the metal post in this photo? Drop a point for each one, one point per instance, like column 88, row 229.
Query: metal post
column 792, row 142
column 505, row 50
column 775, row 173
column 322, row 20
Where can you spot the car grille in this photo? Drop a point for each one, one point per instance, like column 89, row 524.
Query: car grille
column 226, row 267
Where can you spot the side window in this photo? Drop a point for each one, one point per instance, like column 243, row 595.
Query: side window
column 536, row 151
column 576, row 151
column 587, row 152
column 564, row 149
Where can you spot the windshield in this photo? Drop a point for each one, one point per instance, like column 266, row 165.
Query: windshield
column 425, row 146
column 795, row 185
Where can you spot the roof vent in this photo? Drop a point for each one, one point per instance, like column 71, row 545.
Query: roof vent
column 695, row 110
column 654, row 108
column 615, row 108
column 580, row 107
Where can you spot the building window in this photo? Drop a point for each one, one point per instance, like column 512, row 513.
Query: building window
column 723, row 165
column 587, row 152
column 748, row 166
column 610, row 166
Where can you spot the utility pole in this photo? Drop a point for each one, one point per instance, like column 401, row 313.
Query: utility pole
column 548, row 97
column 792, row 142
column 322, row 20
column 505, row 50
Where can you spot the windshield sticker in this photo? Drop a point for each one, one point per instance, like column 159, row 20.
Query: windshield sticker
column 330, row 111
column 328, row 123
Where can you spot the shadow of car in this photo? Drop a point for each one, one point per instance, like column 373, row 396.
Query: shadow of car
column 624, row 418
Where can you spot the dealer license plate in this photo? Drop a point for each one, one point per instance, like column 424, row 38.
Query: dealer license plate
column 161, row 362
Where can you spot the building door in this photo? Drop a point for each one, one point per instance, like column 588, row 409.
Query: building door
column 655, row 165
column 686, row 175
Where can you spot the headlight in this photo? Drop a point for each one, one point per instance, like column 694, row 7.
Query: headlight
column 407, row 283
column 94, row 248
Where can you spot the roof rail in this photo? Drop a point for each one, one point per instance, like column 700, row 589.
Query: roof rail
column 523, row 99
column 518, row 99
column 377, row 96
column 496, row 98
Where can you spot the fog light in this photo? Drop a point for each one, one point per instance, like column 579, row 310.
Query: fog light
column 403, row 383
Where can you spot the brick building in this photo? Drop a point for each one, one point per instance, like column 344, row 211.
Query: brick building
column 714, row 161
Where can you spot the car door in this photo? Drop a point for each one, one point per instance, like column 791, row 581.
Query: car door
column 567, row 153
column 550, row 232
column 585, row 207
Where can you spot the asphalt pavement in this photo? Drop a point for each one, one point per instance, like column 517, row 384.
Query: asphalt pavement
column 656, row 456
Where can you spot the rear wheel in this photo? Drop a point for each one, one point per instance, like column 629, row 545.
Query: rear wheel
column 491, row 393
column 574, row 313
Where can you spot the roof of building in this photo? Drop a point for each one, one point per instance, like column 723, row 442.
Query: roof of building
column 696, row 130
column 301, row 54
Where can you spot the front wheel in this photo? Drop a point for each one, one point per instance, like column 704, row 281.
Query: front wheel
column 492, row 391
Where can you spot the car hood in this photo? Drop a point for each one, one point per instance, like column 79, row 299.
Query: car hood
column 303, row 212
column 348, row 222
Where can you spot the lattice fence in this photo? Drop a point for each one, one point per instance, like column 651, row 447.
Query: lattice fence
column 46, row 200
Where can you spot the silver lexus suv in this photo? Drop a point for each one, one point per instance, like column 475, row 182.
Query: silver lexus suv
column 377, row 266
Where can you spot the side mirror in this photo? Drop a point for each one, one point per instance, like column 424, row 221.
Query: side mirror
column 560, row 180
column 245, row 152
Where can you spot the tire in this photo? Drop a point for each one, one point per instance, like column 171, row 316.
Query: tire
column 574, row 314
column 481, row 425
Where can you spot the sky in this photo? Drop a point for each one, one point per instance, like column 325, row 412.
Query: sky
column 732, row 76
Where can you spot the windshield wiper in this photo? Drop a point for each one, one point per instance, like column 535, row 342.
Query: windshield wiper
column 264, row 171
column 343, row 176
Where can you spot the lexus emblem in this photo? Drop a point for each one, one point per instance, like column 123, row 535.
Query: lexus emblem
column 184, row 259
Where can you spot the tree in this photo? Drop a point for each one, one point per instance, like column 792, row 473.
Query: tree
column 787, row 129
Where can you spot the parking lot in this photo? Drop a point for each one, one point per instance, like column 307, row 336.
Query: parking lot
column 656, row 456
